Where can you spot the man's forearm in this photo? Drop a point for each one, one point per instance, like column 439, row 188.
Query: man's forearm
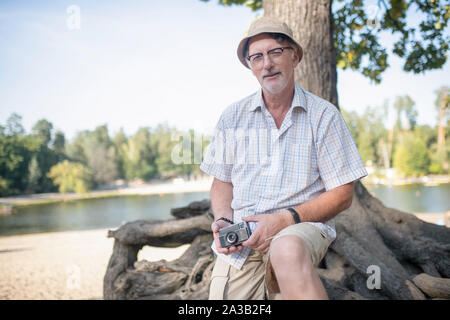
column 221, row 196
column 327, row 205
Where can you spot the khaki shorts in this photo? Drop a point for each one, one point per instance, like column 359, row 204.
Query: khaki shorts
column 255, row 280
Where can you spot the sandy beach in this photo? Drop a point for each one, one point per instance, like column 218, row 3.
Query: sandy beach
column 71, row 265
column 62, row 265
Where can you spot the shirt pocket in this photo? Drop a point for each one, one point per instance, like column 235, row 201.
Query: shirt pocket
column 298, row 167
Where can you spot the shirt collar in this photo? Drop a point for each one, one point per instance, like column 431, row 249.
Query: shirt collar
column 298, row 101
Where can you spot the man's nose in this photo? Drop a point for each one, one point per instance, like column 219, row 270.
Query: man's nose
column 268, row 63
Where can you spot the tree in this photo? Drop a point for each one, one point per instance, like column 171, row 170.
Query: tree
column 59, row 145
column 71, row 177
column 14, row 126
column 119, row 141
column 39, row 145
column 405, row 106
column 443, row 105
column 34, row 175
column 100, row 155
column 15, row 156
column 139, row 156
column 401, row 246
column 43, row 130
column 411, row 155
column 14, row 161
column 95, row 150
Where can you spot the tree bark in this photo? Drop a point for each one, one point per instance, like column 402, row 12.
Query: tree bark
column 312, row 24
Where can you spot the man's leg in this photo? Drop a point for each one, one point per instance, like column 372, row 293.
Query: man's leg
column 228, row 283
column 291, row 261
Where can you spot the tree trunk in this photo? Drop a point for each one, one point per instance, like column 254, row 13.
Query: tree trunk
column 379, row 253
column 441, row 125
column 312, row 24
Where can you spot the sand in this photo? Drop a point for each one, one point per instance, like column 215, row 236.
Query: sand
column 71, row 265
column 62, row 265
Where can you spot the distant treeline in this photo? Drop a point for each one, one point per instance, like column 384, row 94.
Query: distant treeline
column 43, row 161
column 411, row 149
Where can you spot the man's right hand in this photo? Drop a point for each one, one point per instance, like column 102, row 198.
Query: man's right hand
column 215, row 227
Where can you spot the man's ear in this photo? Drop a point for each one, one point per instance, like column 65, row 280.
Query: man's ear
column 296, row 58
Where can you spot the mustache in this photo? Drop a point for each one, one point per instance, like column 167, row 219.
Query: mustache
column 271, row 73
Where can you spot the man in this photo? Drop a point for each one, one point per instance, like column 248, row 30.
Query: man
column 283, row 160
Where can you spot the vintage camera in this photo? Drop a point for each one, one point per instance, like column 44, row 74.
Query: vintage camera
column 234, row 234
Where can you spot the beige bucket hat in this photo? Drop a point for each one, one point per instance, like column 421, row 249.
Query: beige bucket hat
column 264, row 25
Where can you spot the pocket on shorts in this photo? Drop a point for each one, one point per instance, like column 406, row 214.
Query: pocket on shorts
column 219, row 280
column 322, row 249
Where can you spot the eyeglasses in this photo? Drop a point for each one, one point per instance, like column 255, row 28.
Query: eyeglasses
column 273, row 54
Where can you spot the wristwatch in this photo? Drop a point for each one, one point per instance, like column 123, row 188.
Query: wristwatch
column 294, row 215
column 225, row 219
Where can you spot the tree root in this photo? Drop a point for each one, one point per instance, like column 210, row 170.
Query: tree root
column 412, row 256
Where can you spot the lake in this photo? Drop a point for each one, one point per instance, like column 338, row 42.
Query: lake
column 112, row 212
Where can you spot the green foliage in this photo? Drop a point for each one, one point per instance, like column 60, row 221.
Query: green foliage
column 357, row 26
column 95, row 150
column 14, row 159
column 34, row 175
column 412, row 149
column 138, row 156
column 43, row 131
column 59, row 143
column 411, row 156
column 367, row 130
column 40, row 161
column 71, row 177
column 14, row 126
column 405, row 106
column 357, row 29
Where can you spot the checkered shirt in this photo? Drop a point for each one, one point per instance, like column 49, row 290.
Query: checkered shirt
column 273, row 169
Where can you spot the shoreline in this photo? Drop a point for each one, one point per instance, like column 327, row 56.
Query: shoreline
column 7, row 204
column 160, row 188
column 426, row 180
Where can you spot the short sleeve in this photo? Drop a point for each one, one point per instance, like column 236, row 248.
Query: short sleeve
column 215, row 161
column 338, row 158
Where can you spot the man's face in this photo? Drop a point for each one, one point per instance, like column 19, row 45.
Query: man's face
column 273, row 74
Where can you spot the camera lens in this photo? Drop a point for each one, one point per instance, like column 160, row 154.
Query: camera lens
column 231, row 237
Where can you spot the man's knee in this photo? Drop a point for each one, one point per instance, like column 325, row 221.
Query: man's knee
column 289, row 249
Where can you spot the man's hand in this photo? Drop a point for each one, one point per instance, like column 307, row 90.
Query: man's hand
column 215, row 227
column 268, row 226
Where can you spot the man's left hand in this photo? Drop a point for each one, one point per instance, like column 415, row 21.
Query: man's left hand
column 268, row 226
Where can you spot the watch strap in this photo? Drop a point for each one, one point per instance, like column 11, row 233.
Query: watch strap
column 225, row 219
column 295, row 215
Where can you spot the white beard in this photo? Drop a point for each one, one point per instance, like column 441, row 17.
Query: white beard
column 277, row 86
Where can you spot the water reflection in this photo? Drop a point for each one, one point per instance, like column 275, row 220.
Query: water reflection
column 414, row 197
column 94, row 213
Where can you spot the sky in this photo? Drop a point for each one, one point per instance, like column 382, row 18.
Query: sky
column 132, row 64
